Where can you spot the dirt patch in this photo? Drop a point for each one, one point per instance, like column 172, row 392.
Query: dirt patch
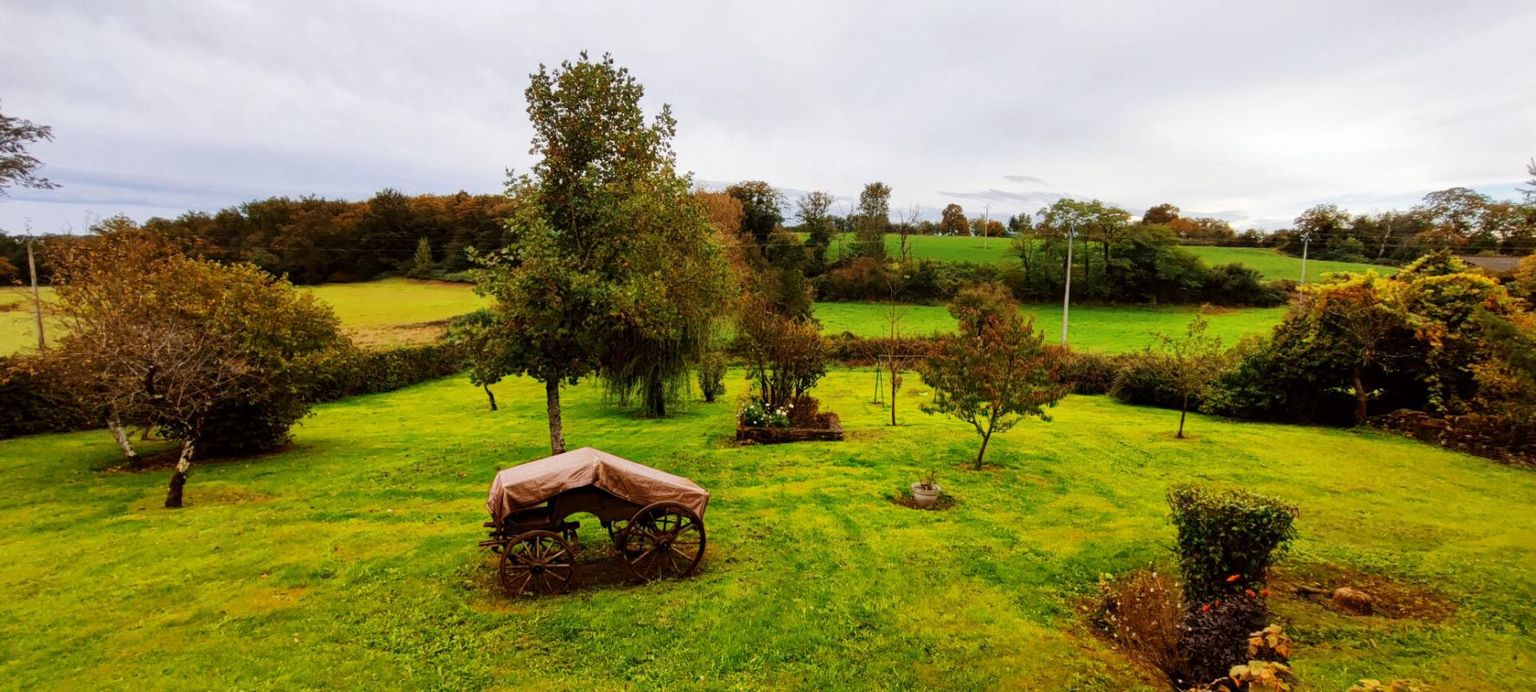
column 1393, row 599
column 904, row 499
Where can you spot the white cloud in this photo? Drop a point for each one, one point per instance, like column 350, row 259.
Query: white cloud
column 1259, row 110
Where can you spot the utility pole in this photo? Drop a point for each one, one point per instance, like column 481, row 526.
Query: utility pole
column 1306, row 240
column 1066, row 296
column 37, row 301
column 986, row 218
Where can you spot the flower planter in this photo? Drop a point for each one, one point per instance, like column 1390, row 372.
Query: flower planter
column 831, row 432
column 925, row 495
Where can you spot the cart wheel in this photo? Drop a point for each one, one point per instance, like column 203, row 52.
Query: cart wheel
column 665, row 539
column 537, row 563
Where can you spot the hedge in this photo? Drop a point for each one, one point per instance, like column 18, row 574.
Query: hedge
column 35, row 403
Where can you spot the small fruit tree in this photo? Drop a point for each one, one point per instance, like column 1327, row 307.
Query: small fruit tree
column 996, row 371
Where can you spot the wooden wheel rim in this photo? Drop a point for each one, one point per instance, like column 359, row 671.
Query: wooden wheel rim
column 665, row 539
column 536, row 562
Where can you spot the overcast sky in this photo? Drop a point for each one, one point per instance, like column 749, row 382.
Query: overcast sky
column 1246, row 110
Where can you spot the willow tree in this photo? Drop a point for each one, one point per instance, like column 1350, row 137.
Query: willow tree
column 611, row 262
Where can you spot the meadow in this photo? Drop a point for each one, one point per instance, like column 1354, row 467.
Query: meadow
column 400, row 311
column 1272, row 264
column 349, row 559
column 375, row 313
column 1110, row 329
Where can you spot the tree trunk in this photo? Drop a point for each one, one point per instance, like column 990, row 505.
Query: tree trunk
column 179, row 478
column 982, row 454
column 123, row 443
column 1361, row 399
column 552, row 407
column 895, row 383
column 489, row 395
column 655, row 397
column 1183, row 412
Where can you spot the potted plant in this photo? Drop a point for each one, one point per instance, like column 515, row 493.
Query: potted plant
column 925, row 493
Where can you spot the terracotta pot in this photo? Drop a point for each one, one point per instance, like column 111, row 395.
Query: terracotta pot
column 925, row 495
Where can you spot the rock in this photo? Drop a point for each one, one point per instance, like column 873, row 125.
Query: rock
column 1352, row 600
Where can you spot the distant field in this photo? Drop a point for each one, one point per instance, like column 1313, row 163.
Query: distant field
column 1270, row 263
column 18, row 330
column 1274, row 265
column 387, row 312
column 403, row 311
column 1104, row 329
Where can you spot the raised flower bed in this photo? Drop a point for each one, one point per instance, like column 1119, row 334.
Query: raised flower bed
column 756, row 424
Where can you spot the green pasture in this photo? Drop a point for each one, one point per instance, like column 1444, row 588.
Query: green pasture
column 1270, row 263
column 349, row 559
column 389, row 311
column 1110, row 329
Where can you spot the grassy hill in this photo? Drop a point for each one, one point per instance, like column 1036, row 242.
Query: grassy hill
column 349, row 560
column 388, row 311
column 395, row 311
column 1272, row 264
column 1092, row 328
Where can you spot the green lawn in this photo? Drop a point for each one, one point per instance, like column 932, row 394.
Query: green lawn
column 1272, row 264
column 1090, row 328
column 349, row 560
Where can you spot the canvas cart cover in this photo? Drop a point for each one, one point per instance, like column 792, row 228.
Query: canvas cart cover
column 529, row 484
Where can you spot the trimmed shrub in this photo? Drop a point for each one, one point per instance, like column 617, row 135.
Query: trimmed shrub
column 1146, row 379
column 36, row 400
column 1088, row 372
column 352, row 371
column 848, row 349
column 1227, row 540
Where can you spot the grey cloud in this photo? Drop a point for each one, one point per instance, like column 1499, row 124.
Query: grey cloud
column 196, row 105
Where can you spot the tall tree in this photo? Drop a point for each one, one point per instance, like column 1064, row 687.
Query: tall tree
column 1530, row 189
column 1162, row 213
column 873, row 220
column 17, row 165
column 952, row 220
column 611, row 255
column 761, row 207
column 815, row 212
column 995, row 371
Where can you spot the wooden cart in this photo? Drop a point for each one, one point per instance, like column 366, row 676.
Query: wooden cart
column 655, row 519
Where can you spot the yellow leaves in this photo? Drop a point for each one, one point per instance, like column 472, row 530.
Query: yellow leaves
column 1272, row 638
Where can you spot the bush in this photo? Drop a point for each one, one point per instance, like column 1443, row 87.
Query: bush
column 1146, row 379
column 1144, row 614
column 1236, row 284
column 1089, row 373
column 848, row 349
column 36, row 400
column 1227, row 540
column 351, row 371
column 756, row 414
column 711, row 376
